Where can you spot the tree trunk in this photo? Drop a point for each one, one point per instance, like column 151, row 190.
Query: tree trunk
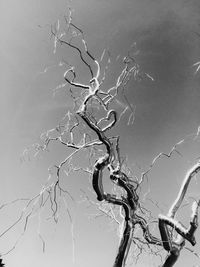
column 125, row 244
column 171, row 258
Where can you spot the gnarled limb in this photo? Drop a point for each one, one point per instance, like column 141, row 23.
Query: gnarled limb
column 173, row 247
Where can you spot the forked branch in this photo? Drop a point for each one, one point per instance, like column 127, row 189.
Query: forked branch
column 168, row 223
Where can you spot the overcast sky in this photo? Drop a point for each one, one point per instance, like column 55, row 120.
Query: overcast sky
column 167, row 110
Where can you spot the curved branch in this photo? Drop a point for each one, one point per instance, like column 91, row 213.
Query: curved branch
column 178, row 201
column 80, row 53
column 146, row 233
column 72, row 81
column 175, row 246
column 97, row 177
column 88, row 53
column 110, row 125
column 122, row 181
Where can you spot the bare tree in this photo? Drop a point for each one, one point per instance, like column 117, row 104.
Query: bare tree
column 93, row 96
column 89, row 126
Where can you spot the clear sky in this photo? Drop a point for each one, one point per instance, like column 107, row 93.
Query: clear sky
column 167, row 110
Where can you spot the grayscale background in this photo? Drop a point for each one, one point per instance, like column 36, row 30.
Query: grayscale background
column 167, row 110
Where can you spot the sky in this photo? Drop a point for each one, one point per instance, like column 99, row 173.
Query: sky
column 167, row 111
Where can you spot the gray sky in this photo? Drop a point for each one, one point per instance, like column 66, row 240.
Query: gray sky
column 167, row 110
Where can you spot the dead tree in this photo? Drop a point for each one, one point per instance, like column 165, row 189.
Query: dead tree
column 129, row 201
column 93, row 94
column 94, row 116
